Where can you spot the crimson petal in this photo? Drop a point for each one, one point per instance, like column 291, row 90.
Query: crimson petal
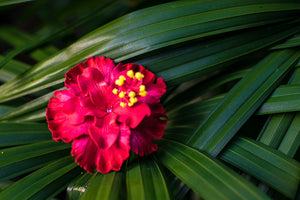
column 89, row 79
column 112, row 158
column 104, row 65
column 132, row 116
column 105, row 131
column 71, row 77
column 141, row 139
column 85, row 151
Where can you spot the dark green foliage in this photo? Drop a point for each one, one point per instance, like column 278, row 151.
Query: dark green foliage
column 233, row 96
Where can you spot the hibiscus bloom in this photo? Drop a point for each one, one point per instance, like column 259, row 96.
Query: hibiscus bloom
column 107, row 111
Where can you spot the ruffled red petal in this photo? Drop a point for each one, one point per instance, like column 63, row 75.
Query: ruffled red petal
column 71, row 77
column 104, row 65
column 85, row 151
column 132, row 116
column 105, row 131
column 65, row 116
column 62, row 130
column 88, row 155
column 112, row 158
column 89, row 79
column 141, row 139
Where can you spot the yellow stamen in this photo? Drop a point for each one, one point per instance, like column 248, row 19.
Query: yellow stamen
column 122, row 104
column 133, row 100
column 139, row 75
column 122, row 94
column 115, row 91
column 131, row 94
column 130, row 74
column 143, row 93
column 142, row 88
column 122, row 78
column 119, row 82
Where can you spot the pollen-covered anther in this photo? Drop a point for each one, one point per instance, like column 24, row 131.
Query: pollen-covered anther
column 132, row 100
column 131, row 94
column 120, row 81
column 115, row 91
column 139, row 75
column 122, row 78
column 130, row 74
column 143, row 93
column 122, row 94
column 122, row 104
column 142, row 88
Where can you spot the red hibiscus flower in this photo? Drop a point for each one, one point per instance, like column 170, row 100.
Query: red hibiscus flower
column 107, row 111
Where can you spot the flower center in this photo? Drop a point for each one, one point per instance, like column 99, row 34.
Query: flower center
column 126, row 90
column 109, row 109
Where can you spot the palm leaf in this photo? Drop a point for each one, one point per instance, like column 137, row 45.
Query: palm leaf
column 266, row 164
column 241, row 102
column 10, row 2
column 105, row 186
column 231, row 71
column 24, row 189
column 205, row 175
column 110, row 39
column 145, row 180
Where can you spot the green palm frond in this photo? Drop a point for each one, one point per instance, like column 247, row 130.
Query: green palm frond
column 233, row 97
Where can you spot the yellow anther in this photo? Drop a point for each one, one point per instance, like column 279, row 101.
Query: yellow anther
column 130, row 74
column 131, row 94
column 122, row 78
column 119, row 82
column 143, row 93
column 122, row 104
column 142, row 88
column 122, row 94
column 139, row 75
column 115, row 91
column 133, row 100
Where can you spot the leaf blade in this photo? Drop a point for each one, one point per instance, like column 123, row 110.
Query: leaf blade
column 217, row 181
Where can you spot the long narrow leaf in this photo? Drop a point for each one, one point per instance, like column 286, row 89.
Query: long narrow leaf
column 275, row 129
column 204, row 174
column 284, row 99
column 105, row 186
column 266, row 164
column 104, row 8
column 182, row 21
column 293, row 42
column 291, row 141
column 24, row 166
column 22, row 133
column 196, row 91
column 12, row 70
column 276, row 126
column 77, row 187
column 33, row 183
column 29, row 107
column 57, row 186
column 145, row 180
column 242, row 101
column 19, row 153
column 10, row 2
